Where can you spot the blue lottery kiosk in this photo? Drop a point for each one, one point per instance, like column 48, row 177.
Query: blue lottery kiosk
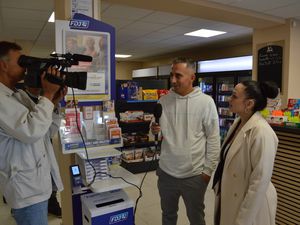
column 103, row 201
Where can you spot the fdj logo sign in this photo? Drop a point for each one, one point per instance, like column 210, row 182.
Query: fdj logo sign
column 118, row 218
column 79, row 24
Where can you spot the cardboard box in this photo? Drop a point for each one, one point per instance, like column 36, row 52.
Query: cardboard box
column 293, row 103
column 150, row 94
column 276, row 120
column 112, row 207
column 128, row 155
column 87, row 112
column 115, row 133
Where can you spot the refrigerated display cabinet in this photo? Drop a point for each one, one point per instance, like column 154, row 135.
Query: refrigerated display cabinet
column 219, row 86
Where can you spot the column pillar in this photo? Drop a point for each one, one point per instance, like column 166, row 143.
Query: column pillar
column 62, row 9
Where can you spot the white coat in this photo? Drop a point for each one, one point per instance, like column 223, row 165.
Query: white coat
column 247, row 195
column 27, row 160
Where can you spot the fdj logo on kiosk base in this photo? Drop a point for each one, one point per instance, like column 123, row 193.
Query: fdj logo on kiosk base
column 79, row 24
column 118, row 218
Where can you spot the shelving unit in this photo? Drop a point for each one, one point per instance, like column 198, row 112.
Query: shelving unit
column 140, row 167
column 93, row 154
column 140, row 101
column 143, row 127
column 110, row 183
column 134, row 127
column 132, row 160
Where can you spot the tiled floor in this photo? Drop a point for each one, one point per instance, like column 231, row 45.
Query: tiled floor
column 148, row 211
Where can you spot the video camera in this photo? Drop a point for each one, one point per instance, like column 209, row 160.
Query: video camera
column 36, row 66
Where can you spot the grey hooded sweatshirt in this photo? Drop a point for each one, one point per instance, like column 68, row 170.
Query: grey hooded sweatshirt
column 190, row 130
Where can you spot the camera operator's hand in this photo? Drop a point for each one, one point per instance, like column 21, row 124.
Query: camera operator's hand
column 49, row 88
column 59, row 95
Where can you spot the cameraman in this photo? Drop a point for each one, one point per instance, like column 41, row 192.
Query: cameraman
column 34, row 94
column 27, row 160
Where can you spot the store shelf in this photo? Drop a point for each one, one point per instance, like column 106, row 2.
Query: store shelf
column 142, row 122
column 110, row 184
column 223, row 104
column 94, row 154
column 91, row 149
column 140, row 101
column 140, row 167
column 139, row 145
column 140, row 127
column 224, row 92
column 135, row 127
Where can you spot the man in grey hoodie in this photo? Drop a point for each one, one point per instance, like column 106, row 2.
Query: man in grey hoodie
column 190, row 146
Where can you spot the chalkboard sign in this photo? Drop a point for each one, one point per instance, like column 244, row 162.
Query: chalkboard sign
column 270, row 64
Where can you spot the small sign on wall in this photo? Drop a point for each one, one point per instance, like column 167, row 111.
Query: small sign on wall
column 84, row 7
column 269, row 65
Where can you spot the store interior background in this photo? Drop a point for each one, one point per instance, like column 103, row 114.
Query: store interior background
column 152, row 32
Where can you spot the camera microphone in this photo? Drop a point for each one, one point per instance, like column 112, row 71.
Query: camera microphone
column 75, row 57
column 82, row 58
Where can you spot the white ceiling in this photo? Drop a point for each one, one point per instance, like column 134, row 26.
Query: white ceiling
column 139, row 32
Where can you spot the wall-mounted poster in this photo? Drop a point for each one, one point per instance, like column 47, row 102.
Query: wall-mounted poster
column 86, row 36
column 93, row 44
column 82, row 6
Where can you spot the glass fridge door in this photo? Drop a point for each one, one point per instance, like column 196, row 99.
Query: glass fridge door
column 206, row 85
column 244, row 78
column 224, row 87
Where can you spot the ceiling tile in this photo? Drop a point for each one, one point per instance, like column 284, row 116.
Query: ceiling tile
column 42, row 50
column 261, row 6
column 124, row 12
column 25, row 14
column 25, row 34
column 289, row 11
column 225, row 2
column 176, row 30
column 14, row 23
column 47, row 5
column 163, row 18
column 138, row 31
column 136, row 27
column 244, row 31
column 117, row 23
column 196, row 23
column 49, row 28
column 160, row 34
column 124, row 37
column 134, row 33
column 157, row 36
column 226, row 27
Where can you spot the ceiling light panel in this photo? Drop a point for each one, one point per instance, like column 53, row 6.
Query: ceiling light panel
column 205, row 33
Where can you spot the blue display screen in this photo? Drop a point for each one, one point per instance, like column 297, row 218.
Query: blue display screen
column 75, row 170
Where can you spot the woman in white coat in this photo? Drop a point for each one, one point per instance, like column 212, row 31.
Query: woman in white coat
column 242, row 182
